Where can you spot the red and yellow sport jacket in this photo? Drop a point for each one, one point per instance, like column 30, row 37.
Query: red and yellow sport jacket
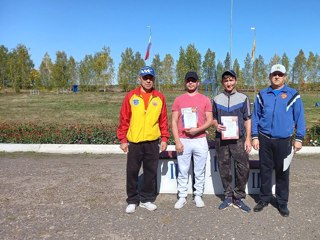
column 139, row 125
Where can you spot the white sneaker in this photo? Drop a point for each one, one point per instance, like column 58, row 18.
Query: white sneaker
column 180, row 203
column 131, row 208
column 198, row 201
column 148, row 205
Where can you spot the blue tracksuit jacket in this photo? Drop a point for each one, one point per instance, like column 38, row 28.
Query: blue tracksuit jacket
column 277, row 116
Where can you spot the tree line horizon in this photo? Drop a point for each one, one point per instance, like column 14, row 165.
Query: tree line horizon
column 97, row 71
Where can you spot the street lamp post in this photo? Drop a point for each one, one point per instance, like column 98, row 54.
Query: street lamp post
column 252, row 57
column 231, row 13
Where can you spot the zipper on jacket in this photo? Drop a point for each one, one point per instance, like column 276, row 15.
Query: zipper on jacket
column 274, row 107
column 149, row 101
column 145, row 115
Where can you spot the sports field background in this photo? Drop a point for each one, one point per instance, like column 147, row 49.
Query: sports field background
column 95, row 107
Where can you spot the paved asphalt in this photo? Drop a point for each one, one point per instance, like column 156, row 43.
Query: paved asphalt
column 53, row 196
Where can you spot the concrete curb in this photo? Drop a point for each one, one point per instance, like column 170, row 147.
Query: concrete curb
column 97, row 148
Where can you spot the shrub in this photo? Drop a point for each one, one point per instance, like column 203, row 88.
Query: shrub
column 41, row 133
column 59, row 134
column 313, row 135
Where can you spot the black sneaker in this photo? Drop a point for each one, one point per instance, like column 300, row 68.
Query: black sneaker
column 226, row 203
column 259, row 207
column 238, row 203
column 283, row 210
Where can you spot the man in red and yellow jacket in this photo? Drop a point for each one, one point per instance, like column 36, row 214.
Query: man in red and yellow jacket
column 143, row 122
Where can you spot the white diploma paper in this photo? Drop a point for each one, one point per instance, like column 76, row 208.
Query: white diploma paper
column 232, row 128
column 287, row 160
column 189, row 117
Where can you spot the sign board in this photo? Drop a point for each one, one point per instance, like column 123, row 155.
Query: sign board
column 168, row 172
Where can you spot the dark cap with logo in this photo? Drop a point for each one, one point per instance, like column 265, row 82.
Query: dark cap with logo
column 147, row 71
column 229, row 73
column 193, row 75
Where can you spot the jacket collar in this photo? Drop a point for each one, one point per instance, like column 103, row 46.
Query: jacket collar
column 229, row 94
column 138, row 91
column 284, row 89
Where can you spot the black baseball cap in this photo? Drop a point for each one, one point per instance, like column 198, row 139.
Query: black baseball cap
column 230, row 73
column 193, row 75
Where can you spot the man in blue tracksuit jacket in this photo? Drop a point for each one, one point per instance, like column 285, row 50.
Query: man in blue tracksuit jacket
column 278, row 112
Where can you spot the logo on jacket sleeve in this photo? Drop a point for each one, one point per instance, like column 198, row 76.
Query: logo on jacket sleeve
column 154, row 103
column 135, row 102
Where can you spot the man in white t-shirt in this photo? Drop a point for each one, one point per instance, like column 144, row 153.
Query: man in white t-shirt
column 191, row 116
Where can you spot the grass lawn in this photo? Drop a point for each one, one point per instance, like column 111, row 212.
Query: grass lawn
column 94, row 107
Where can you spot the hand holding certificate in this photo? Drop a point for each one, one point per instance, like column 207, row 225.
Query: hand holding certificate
column 189, row 116
column 232, row 127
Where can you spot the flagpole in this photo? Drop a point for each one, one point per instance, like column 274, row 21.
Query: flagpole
column 231, row 13
column 149, row 30
column 148, row 50
column 149, row 45
column 252, row 56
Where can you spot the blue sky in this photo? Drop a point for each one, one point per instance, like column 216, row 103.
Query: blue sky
column 85, row 27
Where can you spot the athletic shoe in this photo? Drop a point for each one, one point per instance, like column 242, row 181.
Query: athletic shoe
column 148, row 205
column 180, row 203
column 198, row 201
column 238, row 203
column 131, row 208
column 226, row 203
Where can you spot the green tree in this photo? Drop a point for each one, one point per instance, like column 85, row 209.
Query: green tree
column 20, row 67
column 167, row 72
column 237, row 70
column 86, row 73
column 274, row 60
column 219, row 72
column 157, row 66
column 181, row 68
column 227, row 62
column 193, row 59
column 299, row 69
column 103, row 68
column 138, row 62
column 46, row 72
column 73, row 71
column 60, row 72
column 260, row 73
column 286, row 63
column 127, row 72
column 208, row 65
column 247, row 72
column 35, row 79
column 3, row 66
column 12, row 71
column 313, row 68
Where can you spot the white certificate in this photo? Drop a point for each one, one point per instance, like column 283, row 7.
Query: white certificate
column 189, row 117
column 232, row 128
column 287, row 160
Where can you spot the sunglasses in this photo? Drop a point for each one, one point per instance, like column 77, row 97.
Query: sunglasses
column 280, row 74
column 145, row 78
column 191, row 80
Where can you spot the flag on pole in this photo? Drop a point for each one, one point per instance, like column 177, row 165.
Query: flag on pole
column 148, row 49
column 253, row 49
